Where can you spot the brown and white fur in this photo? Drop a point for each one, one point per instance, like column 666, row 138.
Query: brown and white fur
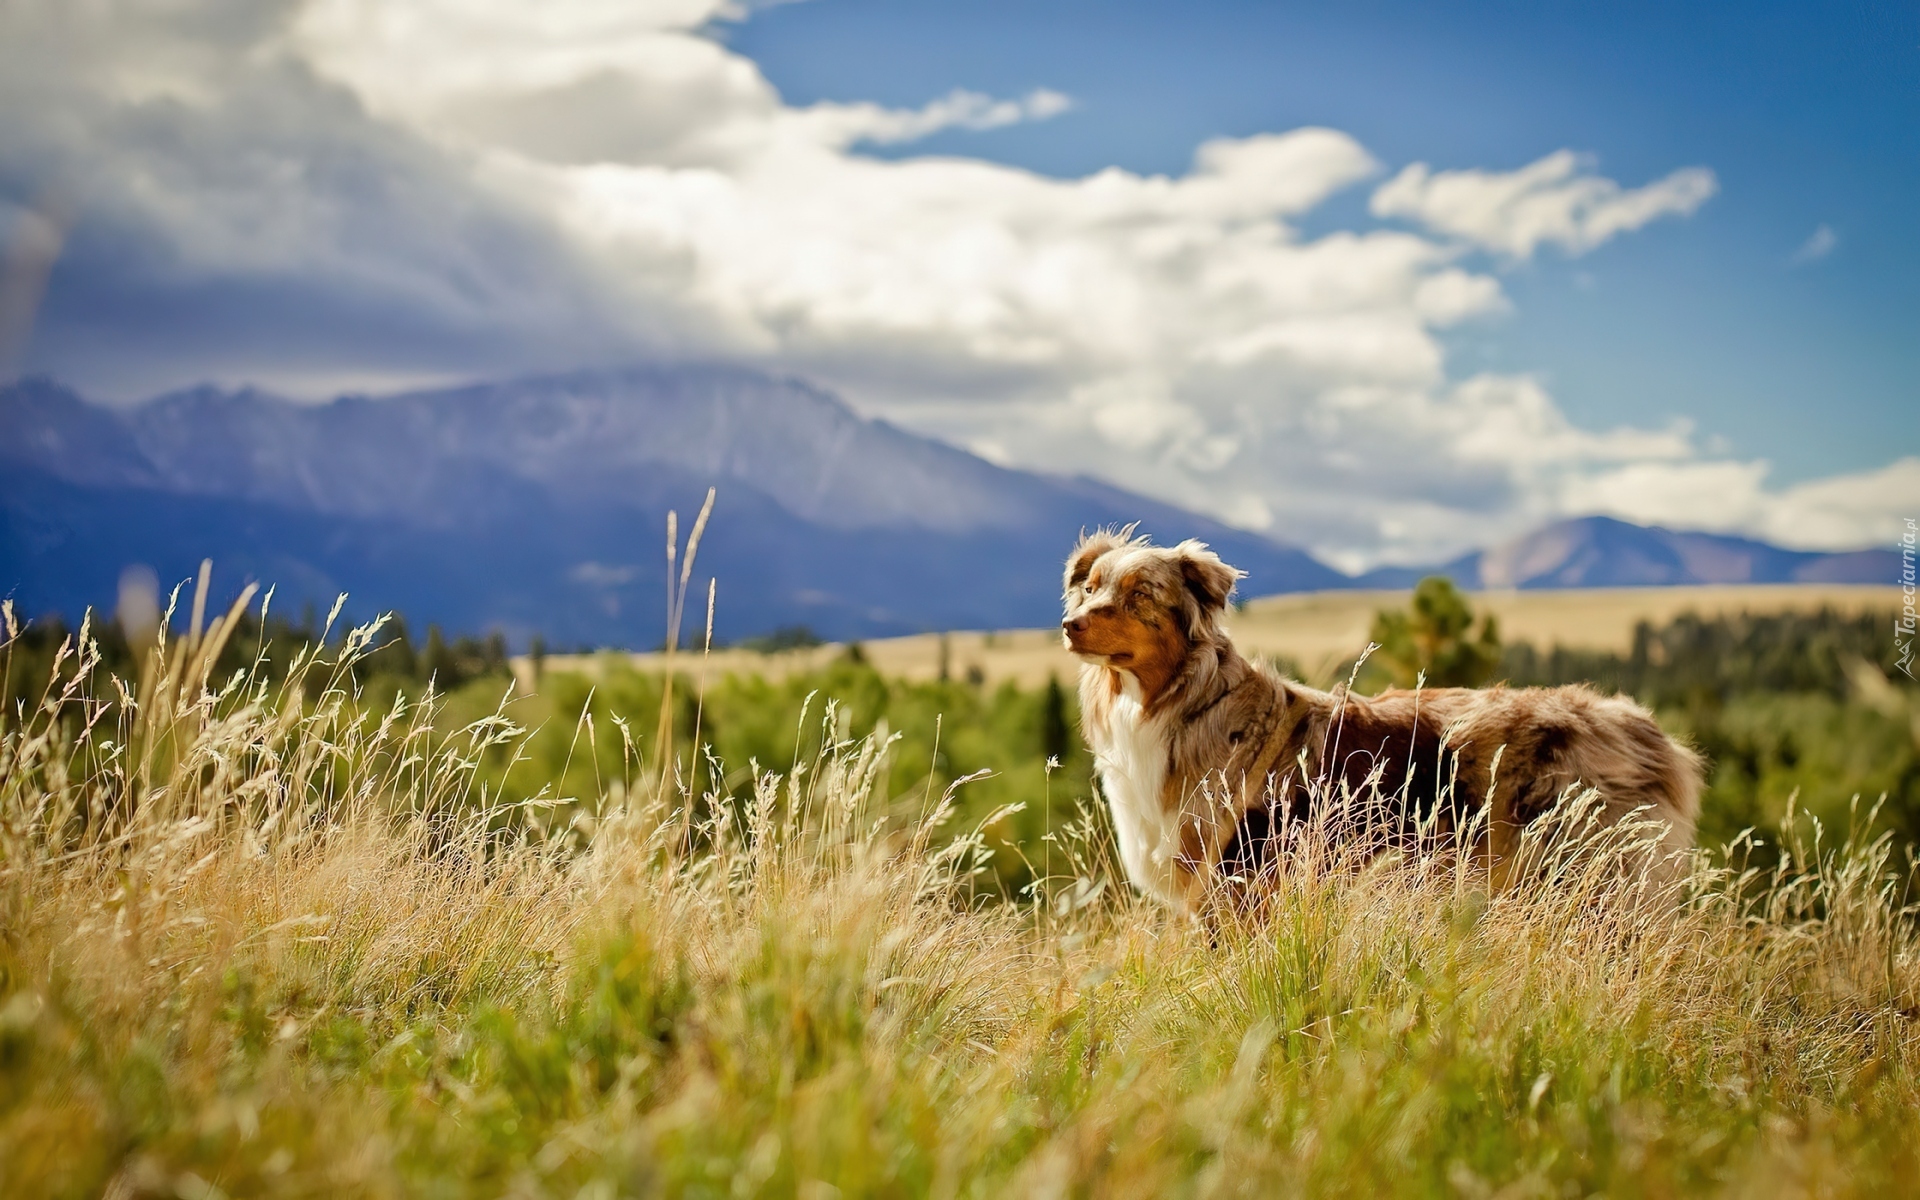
column 1204, row 755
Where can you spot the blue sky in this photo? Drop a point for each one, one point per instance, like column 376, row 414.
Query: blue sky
column 1808, row 113
column 1384, row 280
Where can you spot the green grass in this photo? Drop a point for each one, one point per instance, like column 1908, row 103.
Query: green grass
column 258, row 940
column 587, row 737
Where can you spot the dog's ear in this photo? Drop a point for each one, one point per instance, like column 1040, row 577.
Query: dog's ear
column 1090, row 547
column 1209, row 580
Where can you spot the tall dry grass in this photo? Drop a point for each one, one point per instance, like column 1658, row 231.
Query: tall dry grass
column 260, row 941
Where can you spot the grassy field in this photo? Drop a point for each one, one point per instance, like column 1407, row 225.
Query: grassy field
column 1317, row 631
column 275, row 940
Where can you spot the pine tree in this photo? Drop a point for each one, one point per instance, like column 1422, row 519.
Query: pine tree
column 1435, row 636
column 437, row 663
column 398, row 655
column 1055, row 734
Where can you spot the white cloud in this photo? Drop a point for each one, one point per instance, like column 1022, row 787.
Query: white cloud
column 1553, row 200
column 1838, row 513
column 1846, row 510
column 587, row 81
column 1818, row 245
column 582, row 180
column 958, row 109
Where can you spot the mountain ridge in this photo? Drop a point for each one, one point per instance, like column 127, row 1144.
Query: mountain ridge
column 1600, row 552
column 536, row 505
column 850, row 525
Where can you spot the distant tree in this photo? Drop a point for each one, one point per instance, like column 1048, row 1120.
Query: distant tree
column 537, row 651
column 398, row 655
column 787, row 637
column 1055, row 731
column 437, row 663
column 1435, row 635
column 1695, row 661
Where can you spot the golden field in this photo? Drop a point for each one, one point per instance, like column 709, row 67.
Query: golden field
column 1316, row 630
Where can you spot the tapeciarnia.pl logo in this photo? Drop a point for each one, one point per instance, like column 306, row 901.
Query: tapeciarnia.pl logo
column 1903, row 625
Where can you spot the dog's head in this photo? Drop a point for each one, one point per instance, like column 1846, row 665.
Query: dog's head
column 1140, row 607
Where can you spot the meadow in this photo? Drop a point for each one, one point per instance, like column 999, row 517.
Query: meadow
column 1315, row 633
column 280, row 919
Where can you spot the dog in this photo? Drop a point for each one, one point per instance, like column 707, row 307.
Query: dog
column 1206, row 758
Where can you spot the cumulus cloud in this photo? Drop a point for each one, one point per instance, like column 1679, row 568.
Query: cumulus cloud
column 238, row 216
column 1732, row 497
column 1818, row 245
column 470, row 187
column 1557, row 199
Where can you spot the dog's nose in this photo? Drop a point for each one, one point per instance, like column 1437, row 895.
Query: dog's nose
column 1074, row 625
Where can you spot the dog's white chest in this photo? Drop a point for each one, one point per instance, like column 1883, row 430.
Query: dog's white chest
column 1133, row 772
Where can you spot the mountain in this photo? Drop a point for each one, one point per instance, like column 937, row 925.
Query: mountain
column 538, row 506
column 1595, row 552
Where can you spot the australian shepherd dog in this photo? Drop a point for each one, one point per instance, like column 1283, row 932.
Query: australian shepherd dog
column 1208, row 760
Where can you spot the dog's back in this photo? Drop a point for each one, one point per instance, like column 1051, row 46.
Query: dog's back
column 1548, row 740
